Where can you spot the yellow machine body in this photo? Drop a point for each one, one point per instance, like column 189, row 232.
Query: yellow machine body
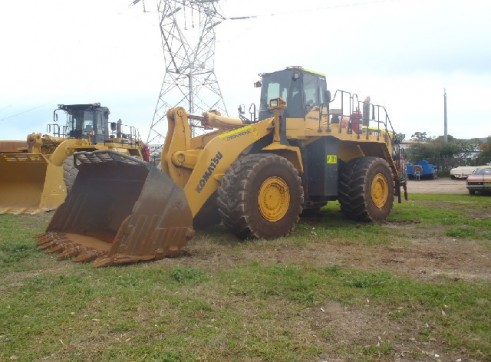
column 256, row 175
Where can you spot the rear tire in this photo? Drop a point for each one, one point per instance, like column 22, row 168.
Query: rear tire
column 472, row 192
column 260, row 196
column 366, row 189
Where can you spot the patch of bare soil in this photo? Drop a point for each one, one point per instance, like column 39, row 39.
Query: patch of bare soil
column 350, row 331
column 443, row 185
column 417, row 256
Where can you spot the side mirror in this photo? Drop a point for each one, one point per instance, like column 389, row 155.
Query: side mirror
column 277, row 103
column 113, row 126
column 258, row 84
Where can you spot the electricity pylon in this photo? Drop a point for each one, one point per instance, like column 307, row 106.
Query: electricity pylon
column 187, row 30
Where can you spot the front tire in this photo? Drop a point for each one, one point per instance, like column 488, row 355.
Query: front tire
column 208, row 216
column 366, row 189
column 69, row 173
column 260, row 196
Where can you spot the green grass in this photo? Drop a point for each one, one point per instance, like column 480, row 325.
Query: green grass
column 463, row 216
column 228, row 301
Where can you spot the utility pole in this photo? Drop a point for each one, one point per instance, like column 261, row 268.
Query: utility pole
column 445, row 133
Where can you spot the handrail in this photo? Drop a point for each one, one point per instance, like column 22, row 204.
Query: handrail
column 358, row 117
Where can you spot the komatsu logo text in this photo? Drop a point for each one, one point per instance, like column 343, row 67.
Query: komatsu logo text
column 211, row 167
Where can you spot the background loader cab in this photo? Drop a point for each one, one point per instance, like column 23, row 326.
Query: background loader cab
column 86, row 120
column 91, row 122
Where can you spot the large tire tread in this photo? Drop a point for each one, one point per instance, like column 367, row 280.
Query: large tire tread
column 354, row 189
column 237, row 192
column 69, row 173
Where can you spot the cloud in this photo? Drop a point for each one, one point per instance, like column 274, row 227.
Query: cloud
column 402, row 53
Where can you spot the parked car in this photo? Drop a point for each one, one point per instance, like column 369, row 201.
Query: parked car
column 480, row 180
column 461, row 172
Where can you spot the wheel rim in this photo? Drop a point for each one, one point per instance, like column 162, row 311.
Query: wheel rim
column 274, row 199
column 380, row 190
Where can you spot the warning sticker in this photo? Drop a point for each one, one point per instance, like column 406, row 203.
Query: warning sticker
column 330, row 159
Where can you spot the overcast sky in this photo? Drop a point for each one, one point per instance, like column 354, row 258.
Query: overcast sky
column 402, row 53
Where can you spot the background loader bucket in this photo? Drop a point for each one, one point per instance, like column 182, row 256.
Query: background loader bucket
column 120, row 210
column 29, row 183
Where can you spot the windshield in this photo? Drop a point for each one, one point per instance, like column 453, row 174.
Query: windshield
column 285, row 84
column 84, row 122
column 274, row 85
column 483, row 171
column 80, row 120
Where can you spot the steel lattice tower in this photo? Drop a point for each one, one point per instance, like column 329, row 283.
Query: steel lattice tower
column 188, row 38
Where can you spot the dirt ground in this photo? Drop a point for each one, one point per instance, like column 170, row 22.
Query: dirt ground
column 425, row 254
column 438, row 186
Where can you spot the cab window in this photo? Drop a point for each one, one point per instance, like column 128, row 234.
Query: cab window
column 276, row 90
column 99, row 123
column 310, row 86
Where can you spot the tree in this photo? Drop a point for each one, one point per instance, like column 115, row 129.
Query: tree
column 420, row 137
column 444, row 155
column 485, row 152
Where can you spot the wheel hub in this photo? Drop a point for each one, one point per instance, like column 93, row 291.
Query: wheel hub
column 273, row 199
column 379, row 190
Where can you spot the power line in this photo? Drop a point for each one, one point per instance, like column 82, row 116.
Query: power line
column 23, row 112
column 297, row 11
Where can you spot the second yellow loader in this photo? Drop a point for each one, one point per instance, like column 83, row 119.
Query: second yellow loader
column 36, row 175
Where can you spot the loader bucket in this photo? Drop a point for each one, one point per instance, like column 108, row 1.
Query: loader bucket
column 29, row 183
column 120, row 210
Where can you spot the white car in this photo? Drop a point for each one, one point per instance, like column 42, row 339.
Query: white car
column 462, row 172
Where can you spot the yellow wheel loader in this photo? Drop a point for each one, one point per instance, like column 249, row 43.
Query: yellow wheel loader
column 36, row 175
column 258, row 176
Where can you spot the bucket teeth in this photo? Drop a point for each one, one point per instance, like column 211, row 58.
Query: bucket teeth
column 103, row 261
column 58, row 243
column 70, row 252
column 46, row 244
column 57, row 248
column 87, row 255
column 46, row 241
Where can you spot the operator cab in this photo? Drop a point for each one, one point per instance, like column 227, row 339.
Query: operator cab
column 302, row 91
column 85, row 121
